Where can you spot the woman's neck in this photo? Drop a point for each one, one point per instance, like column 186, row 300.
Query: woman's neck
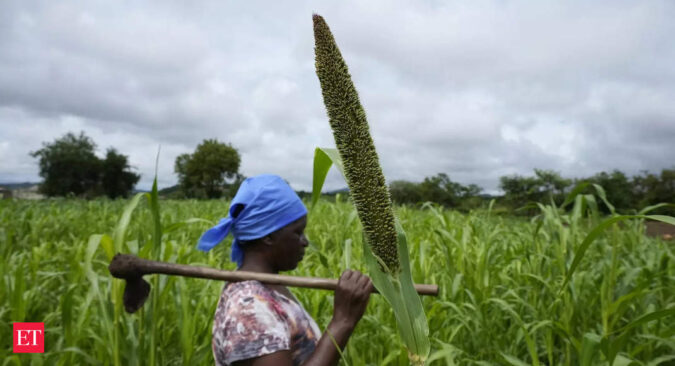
column 252, row 265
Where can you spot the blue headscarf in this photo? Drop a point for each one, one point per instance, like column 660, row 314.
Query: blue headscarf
column 263, row 204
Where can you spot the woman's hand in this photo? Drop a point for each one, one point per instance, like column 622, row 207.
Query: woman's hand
column 351, row 298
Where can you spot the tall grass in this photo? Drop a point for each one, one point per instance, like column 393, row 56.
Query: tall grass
column 502, row 301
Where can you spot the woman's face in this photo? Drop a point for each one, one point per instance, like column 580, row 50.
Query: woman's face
column 290, row 243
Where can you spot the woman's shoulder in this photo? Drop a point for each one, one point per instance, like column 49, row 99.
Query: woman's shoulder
column 247, row 323
column 244, row 299
column 246, row 289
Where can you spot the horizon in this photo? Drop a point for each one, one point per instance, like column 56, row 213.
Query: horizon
column 493, row 193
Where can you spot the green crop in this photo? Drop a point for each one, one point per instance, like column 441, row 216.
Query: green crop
column 502, row 297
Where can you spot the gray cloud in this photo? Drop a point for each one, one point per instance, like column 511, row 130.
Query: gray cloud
column 476, row 90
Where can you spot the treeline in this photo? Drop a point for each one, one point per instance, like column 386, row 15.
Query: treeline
column 70, row 167
column 438, row 189
column 626, row 194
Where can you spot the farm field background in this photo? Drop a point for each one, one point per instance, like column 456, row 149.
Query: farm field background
column 501, row 302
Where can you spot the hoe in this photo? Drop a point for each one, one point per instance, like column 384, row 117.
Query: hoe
column 132, row 269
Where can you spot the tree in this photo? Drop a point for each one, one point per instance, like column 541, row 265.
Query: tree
column 404, row 192
column 203, row 173
column 472, row 190
column 233, row 187
column 651, row 189
column 441, row 189
column 519, row 190
column 544, row 186
column 116, row 178
column 69, row 166
column 552, row 185
column 438, row 188
column 618, row 189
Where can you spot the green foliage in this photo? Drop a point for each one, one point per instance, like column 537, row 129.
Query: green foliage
column 618, row 187
column 545, row 186
column 404, row 192
column 552, row 183
column 437, row 189
column 396, row 287
column 69, row 166
column 116, row 179
column 500, row 279
column 651, row 189
column 626, row 194
column 441, row 189
column 384, row 244
column 172, row 192
column 204, row 173
column 519, row 190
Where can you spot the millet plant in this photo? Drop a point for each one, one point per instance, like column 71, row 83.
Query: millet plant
column 385, row 247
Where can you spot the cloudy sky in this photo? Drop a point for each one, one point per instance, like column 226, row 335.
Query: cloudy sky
column 475, row 89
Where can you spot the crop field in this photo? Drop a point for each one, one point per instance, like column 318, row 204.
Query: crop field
column 502, row 298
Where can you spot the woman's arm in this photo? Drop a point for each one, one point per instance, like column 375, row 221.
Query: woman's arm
column 351, row 299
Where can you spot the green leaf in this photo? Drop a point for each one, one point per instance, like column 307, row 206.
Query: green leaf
column 599, row 229
column 178, row 225
column 447, row 352
column 513, row 360
column 121, row 230
column 575, row 192
column 324, row 158
column 400, row 292
column 614, row 346
column 590, row 348
column 603, row 197
column 348, row 253
column 648, row 317
column 108, row 246
column 654, row 207
column 153, row 200
column 659, row 360
column 623, row 361
column 92, row 245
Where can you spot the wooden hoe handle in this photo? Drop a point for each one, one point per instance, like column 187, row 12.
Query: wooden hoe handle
column 128, row 267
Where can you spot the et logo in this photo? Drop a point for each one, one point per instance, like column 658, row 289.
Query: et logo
column 29, row 337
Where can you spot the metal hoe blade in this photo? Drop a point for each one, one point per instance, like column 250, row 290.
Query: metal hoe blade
column 136, row 291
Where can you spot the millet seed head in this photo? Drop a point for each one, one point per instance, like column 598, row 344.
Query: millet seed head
column 357, row 150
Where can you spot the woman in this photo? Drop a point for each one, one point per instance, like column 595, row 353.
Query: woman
column 264, row 325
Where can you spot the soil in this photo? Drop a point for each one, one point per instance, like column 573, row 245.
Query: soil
column 660, row 229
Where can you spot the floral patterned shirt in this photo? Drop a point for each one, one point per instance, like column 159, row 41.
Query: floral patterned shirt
column 252, row 320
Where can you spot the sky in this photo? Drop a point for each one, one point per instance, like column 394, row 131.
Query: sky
column 474, row 89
